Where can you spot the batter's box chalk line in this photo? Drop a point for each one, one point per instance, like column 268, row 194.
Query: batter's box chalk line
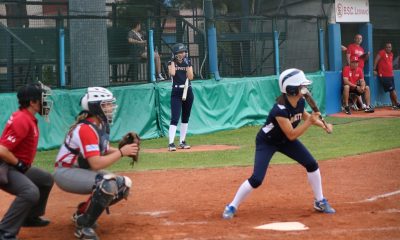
column 374, row 198
column 283, row 226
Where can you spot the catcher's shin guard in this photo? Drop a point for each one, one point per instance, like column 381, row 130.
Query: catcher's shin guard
column 102, row 196
column 124, row 185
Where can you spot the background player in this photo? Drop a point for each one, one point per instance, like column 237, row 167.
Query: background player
column 383, row 68
column 84, row 153
column 353, row 82
column 280, row 134
column 180, row 68
column 355, row 49
column 18, row 145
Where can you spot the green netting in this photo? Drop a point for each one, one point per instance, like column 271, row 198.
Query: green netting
column 227, row 104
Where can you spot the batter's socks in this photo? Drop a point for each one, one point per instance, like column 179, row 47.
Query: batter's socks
column 182, row 135
column 314, row 178
column 172, row 132
column 244, row 190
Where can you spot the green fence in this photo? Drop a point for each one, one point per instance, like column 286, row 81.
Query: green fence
column 218, row 105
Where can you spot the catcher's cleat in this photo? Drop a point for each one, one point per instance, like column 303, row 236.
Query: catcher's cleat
column 171, row 147
column 347, row 110
column 75, row 217
column 369, row 109
column 85, row 233
column 323, row 206
column 229, row 212
column 183, row 145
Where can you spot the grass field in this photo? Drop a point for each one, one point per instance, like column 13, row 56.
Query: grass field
column 351, row 136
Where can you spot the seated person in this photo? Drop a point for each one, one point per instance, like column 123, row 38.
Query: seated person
column 353, row 82
column 136, row 38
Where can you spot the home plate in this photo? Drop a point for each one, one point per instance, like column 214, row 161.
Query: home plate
column 283, row 226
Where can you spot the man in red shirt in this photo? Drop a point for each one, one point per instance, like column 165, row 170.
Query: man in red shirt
column 18, row 144
column 356, row 50
column 383, row 68
column 353, row 82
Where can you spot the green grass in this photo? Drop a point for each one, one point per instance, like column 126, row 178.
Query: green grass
column 351, row 136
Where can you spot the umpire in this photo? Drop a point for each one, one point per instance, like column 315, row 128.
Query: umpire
column 18, row 144
column 180, row 68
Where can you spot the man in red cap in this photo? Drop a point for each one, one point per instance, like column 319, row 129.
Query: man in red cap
column 353, row 82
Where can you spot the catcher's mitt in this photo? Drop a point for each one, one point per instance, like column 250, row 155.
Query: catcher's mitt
column 129, row 138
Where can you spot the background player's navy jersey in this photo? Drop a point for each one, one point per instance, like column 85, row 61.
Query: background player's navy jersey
column 272, row 130
column 180, row 73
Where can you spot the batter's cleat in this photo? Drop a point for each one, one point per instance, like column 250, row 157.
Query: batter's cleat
column 229, row 212
column 369, row 109
column 85, row 233
column 183, row 145
column 171, row 147
column 323, row 206
column 347, row 110
column 35, row 222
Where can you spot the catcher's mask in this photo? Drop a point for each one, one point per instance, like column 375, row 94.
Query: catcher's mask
column 100, row 102
column 178, row 48
column 36, row 92
column 292, row 80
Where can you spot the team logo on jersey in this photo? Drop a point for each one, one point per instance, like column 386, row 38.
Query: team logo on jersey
column 11, row 139
column 92, row 148
column 180, row 68
column 10, row 120
column 296, row 117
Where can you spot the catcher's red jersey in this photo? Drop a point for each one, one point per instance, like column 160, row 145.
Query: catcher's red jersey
column 83, row 138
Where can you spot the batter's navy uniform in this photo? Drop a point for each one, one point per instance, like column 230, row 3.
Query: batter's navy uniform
column 177, row 105
column 271, row 139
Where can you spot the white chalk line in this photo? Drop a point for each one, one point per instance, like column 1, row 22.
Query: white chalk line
column 374, row 198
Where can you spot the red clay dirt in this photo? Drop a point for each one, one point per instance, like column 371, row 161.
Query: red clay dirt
column 381, row 112
column 188, row 203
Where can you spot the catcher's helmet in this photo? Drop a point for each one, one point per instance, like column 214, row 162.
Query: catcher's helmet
column 291, row 79
column 97, row 100
column 179, row 47
column 33, row 92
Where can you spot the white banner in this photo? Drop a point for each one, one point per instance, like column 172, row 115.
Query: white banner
column 352, row 10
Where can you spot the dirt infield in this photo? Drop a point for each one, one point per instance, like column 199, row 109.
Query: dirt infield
column 379, row 112
column 187, row 204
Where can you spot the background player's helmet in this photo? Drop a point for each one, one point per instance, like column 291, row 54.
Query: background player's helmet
column 36, row 92
column 97, row 101
column 291, row 79
column 177, row 48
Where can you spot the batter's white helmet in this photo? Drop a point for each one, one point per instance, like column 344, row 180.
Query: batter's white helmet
column 291, row 79
column 94, row 101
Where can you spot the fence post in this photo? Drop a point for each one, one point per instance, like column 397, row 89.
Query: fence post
column 212, row 39
column 61, row 43
column 321, row 46
column 151, row 57
column 10, row 63
column 276, row 48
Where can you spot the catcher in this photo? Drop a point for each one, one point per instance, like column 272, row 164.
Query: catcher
column 85, row 152
column 280, row 133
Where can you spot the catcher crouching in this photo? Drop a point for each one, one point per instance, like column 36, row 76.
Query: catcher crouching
column 85, row 153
